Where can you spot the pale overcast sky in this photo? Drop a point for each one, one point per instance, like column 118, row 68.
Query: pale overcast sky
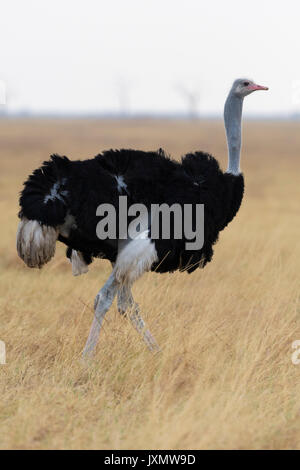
column 78, row 56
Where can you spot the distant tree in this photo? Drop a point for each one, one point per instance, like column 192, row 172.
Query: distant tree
column 123, row 88
column 191, row 97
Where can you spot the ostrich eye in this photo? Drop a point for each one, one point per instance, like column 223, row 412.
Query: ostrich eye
column 246, row 83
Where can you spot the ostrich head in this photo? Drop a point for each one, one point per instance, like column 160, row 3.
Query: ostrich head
column 243, row 87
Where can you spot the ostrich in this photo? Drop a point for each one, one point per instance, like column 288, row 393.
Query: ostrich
column 60, row 199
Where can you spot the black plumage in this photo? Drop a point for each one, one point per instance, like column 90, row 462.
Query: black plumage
column 150, row 178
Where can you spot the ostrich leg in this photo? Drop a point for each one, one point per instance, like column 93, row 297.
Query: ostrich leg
column 126, row 301
column 103, row 301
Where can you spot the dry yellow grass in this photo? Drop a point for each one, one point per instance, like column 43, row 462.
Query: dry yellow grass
column 224, row 378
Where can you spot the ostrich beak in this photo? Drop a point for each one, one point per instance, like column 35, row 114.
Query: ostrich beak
column 257, row 87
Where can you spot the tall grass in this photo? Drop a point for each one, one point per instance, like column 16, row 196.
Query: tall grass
column 224, row 378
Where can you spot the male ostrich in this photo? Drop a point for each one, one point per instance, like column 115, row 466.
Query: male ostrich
column 60, row 199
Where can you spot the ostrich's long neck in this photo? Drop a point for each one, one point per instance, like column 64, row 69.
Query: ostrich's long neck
column 233, row 122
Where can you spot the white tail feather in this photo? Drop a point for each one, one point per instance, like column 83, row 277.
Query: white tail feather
column 79, row 266
column 35, row 242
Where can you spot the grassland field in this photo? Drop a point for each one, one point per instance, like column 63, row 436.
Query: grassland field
column 224, row 378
